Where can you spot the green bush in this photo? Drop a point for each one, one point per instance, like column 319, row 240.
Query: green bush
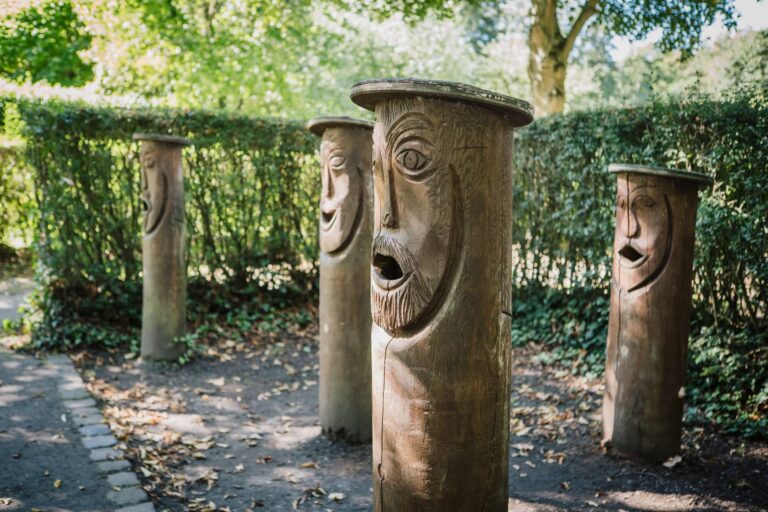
column 16, row 195
column 563, row 224
column 251, row 193
column 252, row 190
column 564, row 197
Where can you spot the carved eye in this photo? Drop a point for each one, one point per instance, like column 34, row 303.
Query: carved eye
column 337, row 161
column 645, row 201
column 413, row 158
column 621, row 203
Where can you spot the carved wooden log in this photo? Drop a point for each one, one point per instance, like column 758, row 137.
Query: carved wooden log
column 346, row 221
column 441, row 293
column 650, row 309
column 164, row 309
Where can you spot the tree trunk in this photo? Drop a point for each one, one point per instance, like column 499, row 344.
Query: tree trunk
column 546, row 71
column 548, row 54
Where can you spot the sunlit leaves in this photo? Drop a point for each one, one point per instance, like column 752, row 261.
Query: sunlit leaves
column 44, row 42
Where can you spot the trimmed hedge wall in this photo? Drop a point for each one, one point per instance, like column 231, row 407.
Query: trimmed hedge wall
column 251, row 192
column 16, row 194
column 564, row 222
column 252, row 187
column 564, row 197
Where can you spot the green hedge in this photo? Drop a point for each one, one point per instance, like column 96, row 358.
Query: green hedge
column 251, row 200
column 17, row 205
column 564, row 221
column 251, row 187
column 16, row 195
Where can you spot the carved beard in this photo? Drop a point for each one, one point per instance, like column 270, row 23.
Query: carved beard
column 408, row 296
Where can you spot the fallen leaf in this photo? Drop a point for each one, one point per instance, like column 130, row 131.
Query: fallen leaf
column 336, row 496
column 672, row 461
column 216, row 382
column 239, row 468
column 57, row 483
column 309, row 465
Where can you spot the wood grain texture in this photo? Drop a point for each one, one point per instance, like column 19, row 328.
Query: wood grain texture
column 163, row 250
column 441, row 293
column 650, row 314
column 346, row 224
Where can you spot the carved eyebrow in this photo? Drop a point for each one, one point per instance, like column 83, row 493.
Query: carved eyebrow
column 646, row 185
column 411, row 121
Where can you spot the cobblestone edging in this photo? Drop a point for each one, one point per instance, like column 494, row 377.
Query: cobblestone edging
column 82, row 409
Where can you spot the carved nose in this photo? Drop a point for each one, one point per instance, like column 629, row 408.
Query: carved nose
column 631, row 226
column 388, row 210
column 328, row 188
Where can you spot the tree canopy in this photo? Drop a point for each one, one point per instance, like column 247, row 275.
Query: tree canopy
column 44, row 43
column 299, row 58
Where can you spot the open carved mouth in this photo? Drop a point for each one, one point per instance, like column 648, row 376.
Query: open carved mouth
column 631, row 257
column 387, row 272
column 327, row 220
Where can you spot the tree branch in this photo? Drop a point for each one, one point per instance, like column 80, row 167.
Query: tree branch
column 545, row 13
column 589, row 9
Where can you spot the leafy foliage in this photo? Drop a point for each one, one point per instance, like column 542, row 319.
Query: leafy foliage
column 16, row 182
column 43, row 43
column 563, row 229
column 250, row 202
column 681, row 21
column 16, row 196
column 730, row 382
column 251, row 55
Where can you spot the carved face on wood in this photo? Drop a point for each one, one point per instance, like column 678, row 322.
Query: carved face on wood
column 417, row 215
column 154, row 190
column 342, row 194
column 642, row 242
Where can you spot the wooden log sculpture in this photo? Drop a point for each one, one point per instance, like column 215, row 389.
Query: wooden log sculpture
column 164, row 308
column 346, row 222
column 650, row 309
column 441, row 293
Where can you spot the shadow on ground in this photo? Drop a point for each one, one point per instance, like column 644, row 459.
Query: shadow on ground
column 43, row 465
column 239, row 429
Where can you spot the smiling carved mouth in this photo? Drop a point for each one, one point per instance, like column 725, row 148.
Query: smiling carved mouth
column 327, row 220
column 631, row 257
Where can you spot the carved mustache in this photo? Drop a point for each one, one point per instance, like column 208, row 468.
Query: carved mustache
column 390, row 257
column 401, row 292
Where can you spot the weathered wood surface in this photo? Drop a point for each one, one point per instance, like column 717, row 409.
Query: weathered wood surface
column 163, row 248
column 346, row 223
column 441, row 296
column 650, row 311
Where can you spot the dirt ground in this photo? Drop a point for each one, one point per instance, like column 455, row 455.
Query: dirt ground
column 238, row 430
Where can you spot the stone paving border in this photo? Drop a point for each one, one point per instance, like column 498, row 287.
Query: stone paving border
column 96, row 436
